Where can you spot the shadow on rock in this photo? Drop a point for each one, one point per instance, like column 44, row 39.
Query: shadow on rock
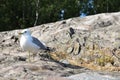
column 47, row 57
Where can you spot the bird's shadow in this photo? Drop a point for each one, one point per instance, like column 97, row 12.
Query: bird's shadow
column 47, row 57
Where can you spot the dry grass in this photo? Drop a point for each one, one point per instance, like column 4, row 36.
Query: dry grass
column 58, row 55
column 94, row 58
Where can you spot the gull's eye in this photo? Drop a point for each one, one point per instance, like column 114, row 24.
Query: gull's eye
column 25, row 32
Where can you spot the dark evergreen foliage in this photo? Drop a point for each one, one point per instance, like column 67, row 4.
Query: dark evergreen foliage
column 17, row 14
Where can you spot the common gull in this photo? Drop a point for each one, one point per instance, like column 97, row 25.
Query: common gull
column 30, row 43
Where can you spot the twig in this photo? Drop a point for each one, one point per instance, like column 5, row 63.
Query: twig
column 37, row 14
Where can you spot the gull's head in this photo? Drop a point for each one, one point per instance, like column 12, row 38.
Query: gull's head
column 25, row 32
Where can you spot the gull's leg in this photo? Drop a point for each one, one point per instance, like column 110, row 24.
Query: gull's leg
column 32, row 57
column 29, row 57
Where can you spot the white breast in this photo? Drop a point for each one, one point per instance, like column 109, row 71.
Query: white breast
column 26, row 44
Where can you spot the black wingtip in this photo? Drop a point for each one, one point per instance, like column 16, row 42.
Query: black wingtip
column 50, row 49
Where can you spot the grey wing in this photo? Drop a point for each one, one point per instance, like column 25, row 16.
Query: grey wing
column 38, row 43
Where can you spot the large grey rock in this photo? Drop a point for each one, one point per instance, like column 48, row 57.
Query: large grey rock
column 92, row 76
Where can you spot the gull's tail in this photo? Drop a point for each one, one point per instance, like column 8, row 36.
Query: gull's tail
column 50, row 49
